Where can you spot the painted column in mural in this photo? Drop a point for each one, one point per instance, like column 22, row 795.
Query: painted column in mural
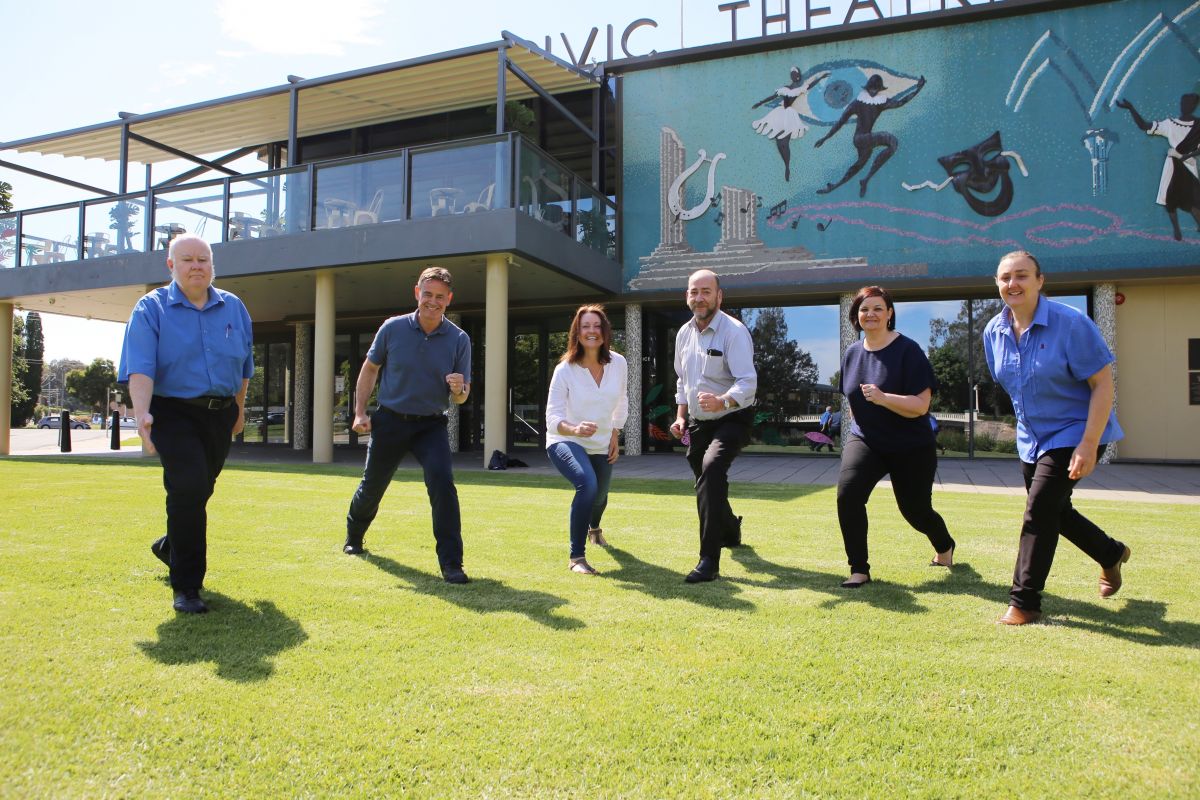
column 633, row 358
column 302, row 412
column 1104, row 306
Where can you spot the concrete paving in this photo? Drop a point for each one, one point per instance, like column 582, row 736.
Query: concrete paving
column 1148, row 483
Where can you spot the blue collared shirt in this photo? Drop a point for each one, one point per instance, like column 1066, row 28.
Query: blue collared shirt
column 719, row 360
column 415, row 364
column 1046, row 375
column 189, row 351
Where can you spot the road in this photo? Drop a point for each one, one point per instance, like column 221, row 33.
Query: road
column 44, row 441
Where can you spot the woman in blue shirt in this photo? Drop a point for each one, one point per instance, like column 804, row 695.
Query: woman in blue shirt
column 888, row 381
column 1056, row 367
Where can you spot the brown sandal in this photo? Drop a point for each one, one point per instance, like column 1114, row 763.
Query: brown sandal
column 596, row 537
column 581, row 566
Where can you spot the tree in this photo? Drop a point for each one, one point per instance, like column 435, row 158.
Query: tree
column 32, row 380
column 786, row 373
column 8, row 227
column 93, row 385
column 835, row 379
column 54, row 381
column 948, row 343
column 19, row 393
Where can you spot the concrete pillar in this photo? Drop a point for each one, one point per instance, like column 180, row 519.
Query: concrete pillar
column 6, row 371
column 452, row 416
column 847, row 336
column 495, row 366
column 1104, row 306
column 633, row 355
column 302, row 410
column 322, row 407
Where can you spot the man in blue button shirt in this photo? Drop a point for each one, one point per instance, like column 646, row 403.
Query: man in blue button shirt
column 188, row 358
column 422, row 357
column 1057, row 369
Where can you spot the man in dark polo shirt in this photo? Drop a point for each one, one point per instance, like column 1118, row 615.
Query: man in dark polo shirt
column 422, row 357
column 188, row 358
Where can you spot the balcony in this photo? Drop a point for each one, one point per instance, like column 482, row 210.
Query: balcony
column 456, row 179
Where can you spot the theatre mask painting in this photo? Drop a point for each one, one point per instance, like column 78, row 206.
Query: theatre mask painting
column 921, row 154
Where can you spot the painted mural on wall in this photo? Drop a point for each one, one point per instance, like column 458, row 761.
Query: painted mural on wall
column 924, row 154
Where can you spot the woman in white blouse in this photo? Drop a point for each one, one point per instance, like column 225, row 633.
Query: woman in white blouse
column 584, row 414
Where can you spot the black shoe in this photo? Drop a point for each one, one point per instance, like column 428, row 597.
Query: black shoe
column 735, row 539
column 705, row 571
column 353, row 546
column 162, row 550
column 189, row 602
column 454, row 575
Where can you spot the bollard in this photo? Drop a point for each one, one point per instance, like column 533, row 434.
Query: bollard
column 64, row 432
column 115, row 431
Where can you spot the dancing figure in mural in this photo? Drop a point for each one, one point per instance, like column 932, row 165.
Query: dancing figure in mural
column 1179, row 187
column 783, row 123
column 867, row 107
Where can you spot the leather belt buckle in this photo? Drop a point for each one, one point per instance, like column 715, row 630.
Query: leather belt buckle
column 216, row 403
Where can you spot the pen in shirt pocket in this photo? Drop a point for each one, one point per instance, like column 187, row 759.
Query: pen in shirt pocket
column 228, row 330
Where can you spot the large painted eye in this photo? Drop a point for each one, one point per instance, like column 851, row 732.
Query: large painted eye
column 837, row 83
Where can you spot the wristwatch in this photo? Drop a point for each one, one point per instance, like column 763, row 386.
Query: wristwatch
column 727, row 403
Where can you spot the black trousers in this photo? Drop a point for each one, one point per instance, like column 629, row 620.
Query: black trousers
column 391, row 439
column 912, row 474
column 714, row 446
column 1048, row 512
column 192, row 444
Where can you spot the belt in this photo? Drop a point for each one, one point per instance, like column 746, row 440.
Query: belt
column 412, row 417
column 208, row 401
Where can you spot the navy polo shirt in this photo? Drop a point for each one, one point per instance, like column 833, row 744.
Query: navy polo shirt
column 1046, row 373
column 414, row 364
column 189, row 351
column 899, row 368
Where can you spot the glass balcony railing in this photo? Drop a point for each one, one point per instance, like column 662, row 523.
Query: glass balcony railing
column 462, row 177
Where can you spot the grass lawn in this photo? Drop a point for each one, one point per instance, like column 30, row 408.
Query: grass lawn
column 322, row 675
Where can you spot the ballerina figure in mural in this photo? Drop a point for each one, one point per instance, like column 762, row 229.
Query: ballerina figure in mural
column 783, row 123
column 1179, row 187
column 867, row 107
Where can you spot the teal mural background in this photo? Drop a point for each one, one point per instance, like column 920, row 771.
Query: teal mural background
column 970, row 70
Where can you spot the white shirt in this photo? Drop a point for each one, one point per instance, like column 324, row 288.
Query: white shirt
column 1174, row 131
column 718, row 359
column 575, row 397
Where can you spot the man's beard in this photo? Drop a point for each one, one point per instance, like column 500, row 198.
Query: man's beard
column 704, row 313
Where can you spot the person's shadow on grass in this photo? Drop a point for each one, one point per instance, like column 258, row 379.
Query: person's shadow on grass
column 240, row 639
column 881, row 594
column 1139, row 621
column 482, row 595
column 666, row 584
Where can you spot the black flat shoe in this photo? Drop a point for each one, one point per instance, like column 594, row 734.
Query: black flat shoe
column 705, row 571
column 353, row 547
column 933, row 562
column 455, row 575
column 189, row 602
column 162, row 550
column 855, row 584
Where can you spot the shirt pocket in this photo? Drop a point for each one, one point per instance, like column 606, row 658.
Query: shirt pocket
column 714, row 367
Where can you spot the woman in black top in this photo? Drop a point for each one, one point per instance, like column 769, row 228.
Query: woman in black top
column 888, row 381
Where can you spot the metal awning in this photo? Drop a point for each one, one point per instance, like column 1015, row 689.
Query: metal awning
column 418, row 87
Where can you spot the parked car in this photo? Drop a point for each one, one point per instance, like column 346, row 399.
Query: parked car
column 275, row 418
column 56, row 422
column 128, row 423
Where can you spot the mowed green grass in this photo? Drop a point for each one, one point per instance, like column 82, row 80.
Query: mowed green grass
column 322, row 675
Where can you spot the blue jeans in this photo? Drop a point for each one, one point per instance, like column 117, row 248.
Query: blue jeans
column 591, row 476
column 391, row 440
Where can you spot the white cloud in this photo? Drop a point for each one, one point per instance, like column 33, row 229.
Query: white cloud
column 299, row 27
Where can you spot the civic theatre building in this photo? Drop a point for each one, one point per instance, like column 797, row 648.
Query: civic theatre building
column 909, row 152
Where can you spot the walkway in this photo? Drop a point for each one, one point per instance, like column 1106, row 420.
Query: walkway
column 1147, row 483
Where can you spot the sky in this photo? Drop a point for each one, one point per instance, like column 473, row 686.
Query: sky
column 85, row 62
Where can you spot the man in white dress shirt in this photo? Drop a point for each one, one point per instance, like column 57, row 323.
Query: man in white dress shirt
column 714, row 359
